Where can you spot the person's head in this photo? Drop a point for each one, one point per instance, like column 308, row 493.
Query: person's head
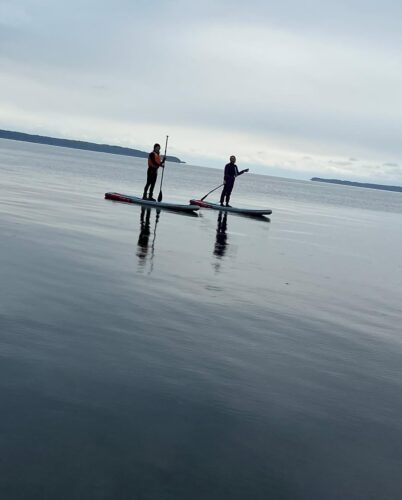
column 157, row 148
column 233, row 159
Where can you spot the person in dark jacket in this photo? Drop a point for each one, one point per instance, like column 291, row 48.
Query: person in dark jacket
column 154, row 162
column 231, row 172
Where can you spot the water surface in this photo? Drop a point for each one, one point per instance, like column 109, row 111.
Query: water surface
column 148, row 355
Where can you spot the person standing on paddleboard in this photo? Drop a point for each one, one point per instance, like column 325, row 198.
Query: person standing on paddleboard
column 154, row 162
column 231, row 172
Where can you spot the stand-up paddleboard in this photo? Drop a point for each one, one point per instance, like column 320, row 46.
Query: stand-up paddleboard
column 148, row 203
column 244, row 211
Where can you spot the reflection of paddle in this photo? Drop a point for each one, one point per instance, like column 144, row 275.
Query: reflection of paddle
column 220, row 185
column 164, row 160
column 158, row 213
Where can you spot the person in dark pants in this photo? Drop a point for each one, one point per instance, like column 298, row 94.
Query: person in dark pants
column 154, row 162
column 231, row 172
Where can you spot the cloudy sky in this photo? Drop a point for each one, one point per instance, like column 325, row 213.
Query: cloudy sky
column 293, row 88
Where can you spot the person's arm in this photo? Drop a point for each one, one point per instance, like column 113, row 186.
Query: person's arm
column 243, row 171
column 225, row 173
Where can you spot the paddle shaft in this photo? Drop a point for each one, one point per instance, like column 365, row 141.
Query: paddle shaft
column 220, row 185
column 160, row 192
column 217, row 187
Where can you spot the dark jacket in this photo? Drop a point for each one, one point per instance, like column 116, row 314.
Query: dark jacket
column 231, row 171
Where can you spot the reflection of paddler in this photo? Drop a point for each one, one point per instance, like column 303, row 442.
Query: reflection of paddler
column 144, row 244
column 221, row 236
column 145, row 231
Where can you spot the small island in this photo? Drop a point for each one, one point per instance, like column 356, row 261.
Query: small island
column 359, row 184
column 88, row 146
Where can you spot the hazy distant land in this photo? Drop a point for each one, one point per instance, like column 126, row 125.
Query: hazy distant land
column 359, row 184
column 68, row 143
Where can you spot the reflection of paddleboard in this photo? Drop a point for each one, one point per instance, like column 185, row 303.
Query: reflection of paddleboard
column 152, row 204
column 215, row 206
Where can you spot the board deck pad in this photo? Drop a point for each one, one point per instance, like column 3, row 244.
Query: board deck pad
column 216, row 206
column 125, row 198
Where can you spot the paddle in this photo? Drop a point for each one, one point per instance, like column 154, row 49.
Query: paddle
column 220, row 185
column 160, row 192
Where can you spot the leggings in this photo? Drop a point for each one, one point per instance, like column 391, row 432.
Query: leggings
column 152, row 174
column 227, row 189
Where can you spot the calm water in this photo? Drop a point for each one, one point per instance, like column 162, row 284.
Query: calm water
column 167, row 356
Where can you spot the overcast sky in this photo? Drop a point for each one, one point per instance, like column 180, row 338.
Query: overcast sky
column 293, row 88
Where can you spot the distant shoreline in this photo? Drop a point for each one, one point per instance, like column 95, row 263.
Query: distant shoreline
column 360, row 184
column 73, row 144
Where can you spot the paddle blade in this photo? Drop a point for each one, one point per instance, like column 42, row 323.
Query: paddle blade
column 160, row 196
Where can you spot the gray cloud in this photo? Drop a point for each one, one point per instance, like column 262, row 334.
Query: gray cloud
column 391, row 165
column 339, row 163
